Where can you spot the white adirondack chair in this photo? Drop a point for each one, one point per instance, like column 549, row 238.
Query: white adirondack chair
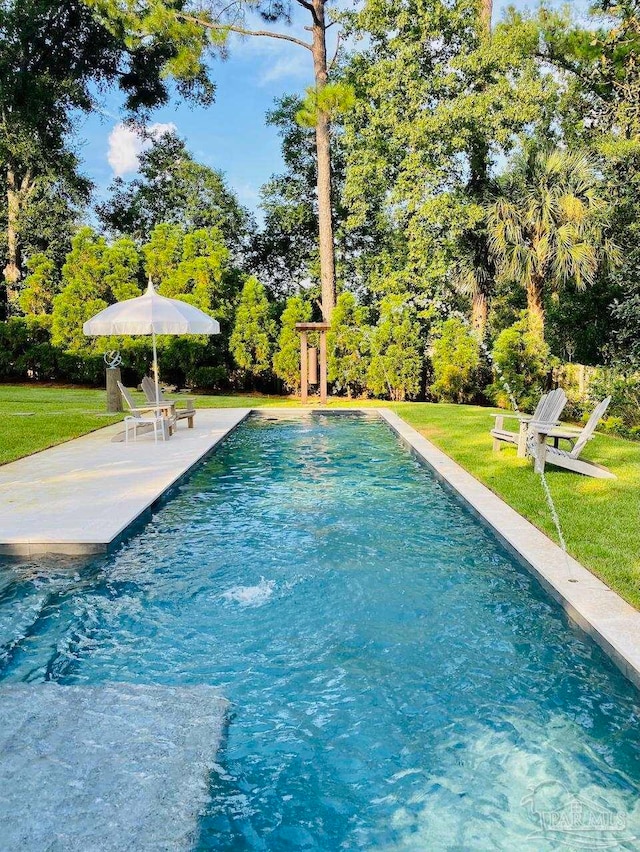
column 548, row 409
column 569, row 459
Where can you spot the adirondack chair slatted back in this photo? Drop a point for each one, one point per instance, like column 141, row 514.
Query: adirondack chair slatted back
column 551, row 408
column 149, row 389
column 557, row 400
column 127, row 396
column 539, row 407
column 589, row 429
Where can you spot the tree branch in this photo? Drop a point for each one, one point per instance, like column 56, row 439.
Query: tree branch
column 210, row 25
column 226, row 9
column 306, row 5
column 335, row 55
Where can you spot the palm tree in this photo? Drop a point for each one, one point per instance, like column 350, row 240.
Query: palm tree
column 474, row 274
column 548, row 228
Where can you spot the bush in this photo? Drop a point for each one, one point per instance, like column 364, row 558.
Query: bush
column 455, row 358
column 286, row 360
column 254, row 330
column 348, row 346
column 522, row 357
column 397, row 361
column 624, row 391
column 27, row 354
column 209, row 378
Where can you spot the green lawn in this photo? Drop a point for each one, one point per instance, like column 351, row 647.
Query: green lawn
column 600, row 518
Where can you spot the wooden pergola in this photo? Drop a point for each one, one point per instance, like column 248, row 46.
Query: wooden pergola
column 304, row 328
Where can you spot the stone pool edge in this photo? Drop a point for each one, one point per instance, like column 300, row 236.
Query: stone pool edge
column 599, row 611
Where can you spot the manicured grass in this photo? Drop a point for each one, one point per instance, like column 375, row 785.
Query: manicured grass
column 600, row 518
column 34, row 417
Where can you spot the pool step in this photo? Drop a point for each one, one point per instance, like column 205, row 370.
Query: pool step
column 39, row 641
column 116, row 767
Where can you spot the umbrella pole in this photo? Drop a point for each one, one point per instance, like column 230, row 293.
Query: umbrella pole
column 155, row 369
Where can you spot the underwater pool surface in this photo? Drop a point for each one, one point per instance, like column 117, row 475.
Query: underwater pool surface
column 397, row 680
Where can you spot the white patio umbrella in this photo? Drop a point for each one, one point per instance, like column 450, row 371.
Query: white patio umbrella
column 151, row 314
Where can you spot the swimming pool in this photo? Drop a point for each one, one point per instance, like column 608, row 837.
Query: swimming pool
column 398, row 681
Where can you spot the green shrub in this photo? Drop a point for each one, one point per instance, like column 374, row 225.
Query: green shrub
column 348, row 346
column 624, row 391
column 27, row 354
column 397, row 350
column 521, row 362
column 209, row 378
column 286, row 360
column 455, row 358
column 251, row 342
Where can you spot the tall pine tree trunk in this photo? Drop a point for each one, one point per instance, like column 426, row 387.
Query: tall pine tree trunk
column 479, row 312
column 478, row 186
column 323, row 150
column 486, row 13
column 12, row 271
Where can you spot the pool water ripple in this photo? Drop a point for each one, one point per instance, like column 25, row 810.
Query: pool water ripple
column 398, row 682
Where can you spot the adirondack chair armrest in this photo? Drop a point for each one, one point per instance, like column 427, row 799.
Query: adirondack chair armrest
column 542, row 428
column 567, row 430
column 508, row 415
column 185, row 402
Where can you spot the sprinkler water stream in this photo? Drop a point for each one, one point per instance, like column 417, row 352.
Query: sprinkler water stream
column 531, row 447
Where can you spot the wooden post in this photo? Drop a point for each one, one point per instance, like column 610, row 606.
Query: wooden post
column 541, row 453
column 582, row 381
column 313, row 365
column 114, row 398
column 304, row 368
column 323, row 367
column 523, row 432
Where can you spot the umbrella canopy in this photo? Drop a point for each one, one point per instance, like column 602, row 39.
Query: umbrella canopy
column 151, row 314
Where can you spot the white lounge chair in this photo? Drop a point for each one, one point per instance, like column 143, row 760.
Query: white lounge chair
column 548, row 410
column 187, row 413
column 152, row 414
column 544, row 454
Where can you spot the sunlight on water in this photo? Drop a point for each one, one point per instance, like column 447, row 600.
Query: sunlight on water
column 397, row 681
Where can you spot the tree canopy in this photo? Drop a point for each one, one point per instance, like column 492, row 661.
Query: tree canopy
column 467, row 189
column 172, row 187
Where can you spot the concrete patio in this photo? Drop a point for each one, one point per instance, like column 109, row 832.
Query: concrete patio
column 80, row 497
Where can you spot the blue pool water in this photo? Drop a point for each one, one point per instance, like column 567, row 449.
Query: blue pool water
column 398, row 682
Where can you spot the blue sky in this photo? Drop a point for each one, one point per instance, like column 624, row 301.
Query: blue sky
column 231, row 135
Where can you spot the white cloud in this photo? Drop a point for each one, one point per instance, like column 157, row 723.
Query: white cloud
column 274, row 60
column 295, row 65
column 126, row 143
column 247, row 193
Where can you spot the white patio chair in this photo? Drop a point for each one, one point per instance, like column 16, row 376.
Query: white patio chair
column 188, row 412
column 164, row 414
column 134, row 421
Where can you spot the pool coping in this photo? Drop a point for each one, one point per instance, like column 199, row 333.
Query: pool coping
column 599, row 611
